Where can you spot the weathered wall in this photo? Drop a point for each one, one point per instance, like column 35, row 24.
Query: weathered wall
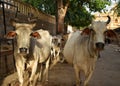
column 41, row 24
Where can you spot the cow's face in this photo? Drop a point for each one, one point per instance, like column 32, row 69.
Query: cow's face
column 98, row 34
column 57, row 40
column 99, row 28
column 23, row 35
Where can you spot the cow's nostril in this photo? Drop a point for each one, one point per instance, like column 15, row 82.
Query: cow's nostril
column 23, row 50
column 58, row 44
column 100, row 45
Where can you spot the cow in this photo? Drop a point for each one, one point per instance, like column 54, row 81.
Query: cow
column 56, row 50
column 82, row 48
column 32, row 47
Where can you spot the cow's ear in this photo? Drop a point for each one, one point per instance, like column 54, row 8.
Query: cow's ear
column 86, row 31
column 112, row 35
column 11, row 34
column 35, row 35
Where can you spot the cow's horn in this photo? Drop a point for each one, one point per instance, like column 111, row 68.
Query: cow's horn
column 109, row 19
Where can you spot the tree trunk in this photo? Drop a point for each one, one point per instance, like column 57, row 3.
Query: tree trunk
column 61, row 12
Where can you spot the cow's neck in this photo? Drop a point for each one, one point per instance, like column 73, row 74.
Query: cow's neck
column 32, row 45
column 91, row 45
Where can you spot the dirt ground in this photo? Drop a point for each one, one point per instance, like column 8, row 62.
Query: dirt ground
column 106, row 73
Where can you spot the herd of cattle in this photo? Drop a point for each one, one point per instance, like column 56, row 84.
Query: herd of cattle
column 38, row 51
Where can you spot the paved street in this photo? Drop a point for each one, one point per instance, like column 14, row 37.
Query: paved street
column 107, row 72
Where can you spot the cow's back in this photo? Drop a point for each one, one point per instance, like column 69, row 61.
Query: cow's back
column 70, row 46
column 43, row 45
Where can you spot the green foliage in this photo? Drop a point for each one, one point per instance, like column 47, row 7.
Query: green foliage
column 77, row 14
column 48, row 6
column 97, row 5
column 78, row 17
column 34, row 3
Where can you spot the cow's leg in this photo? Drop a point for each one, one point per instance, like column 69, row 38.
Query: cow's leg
column 58, row 56
column 55, row 60
column 45, row 73
column 20, row 71
column 34, row 68
column 77, row 73
column 40, row 72
column 54, row 53
column 58, row 52
column 20, row 66
column 88, row 75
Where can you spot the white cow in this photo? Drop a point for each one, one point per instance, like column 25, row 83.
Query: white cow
column 56, row 50
column 82, row 49
column 31, row 48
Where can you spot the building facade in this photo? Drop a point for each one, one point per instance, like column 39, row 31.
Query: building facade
column 115, row 20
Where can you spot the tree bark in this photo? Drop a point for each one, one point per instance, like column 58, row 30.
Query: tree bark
column 61, row 12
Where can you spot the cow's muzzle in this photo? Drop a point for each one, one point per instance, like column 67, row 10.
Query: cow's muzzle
column 100, row 46
column 58, row 45
column 23, row 50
